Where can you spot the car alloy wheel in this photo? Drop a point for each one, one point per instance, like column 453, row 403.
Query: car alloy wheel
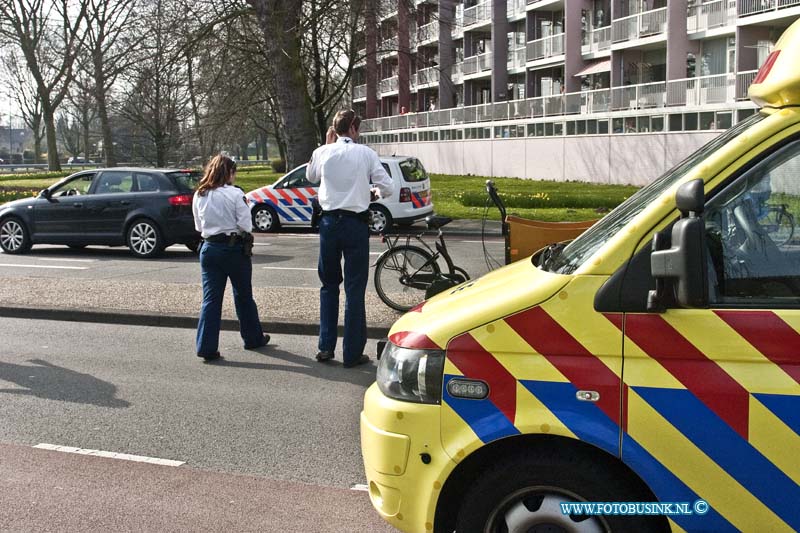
column 265, row 218
column 13, row 237
column 144, row 239
column 380, row 219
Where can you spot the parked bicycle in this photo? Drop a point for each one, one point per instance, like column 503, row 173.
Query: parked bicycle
column 408, row 273
column 778, row 223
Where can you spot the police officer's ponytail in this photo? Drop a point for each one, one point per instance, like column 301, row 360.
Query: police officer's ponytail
column 217, row 173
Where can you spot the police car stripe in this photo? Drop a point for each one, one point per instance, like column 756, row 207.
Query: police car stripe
column 713, row 386
column 283, row 214
column 474, row 362
column 285, row 198
column 769, row 335
column 584, row 419
column 298, row 193
column 482, row 416
column 549, row 338
column 730, row 451
column 311, row 191
column 300, row 214
column 270, row 196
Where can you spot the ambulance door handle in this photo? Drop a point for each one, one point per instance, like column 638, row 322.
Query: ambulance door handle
column 587, row 395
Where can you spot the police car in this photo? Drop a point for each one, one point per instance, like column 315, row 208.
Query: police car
column 288, row 200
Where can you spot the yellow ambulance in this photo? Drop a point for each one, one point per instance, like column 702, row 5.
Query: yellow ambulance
column 644, row 377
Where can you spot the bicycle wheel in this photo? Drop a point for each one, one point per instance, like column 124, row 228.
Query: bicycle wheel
column 403, row 275
column 779, row 224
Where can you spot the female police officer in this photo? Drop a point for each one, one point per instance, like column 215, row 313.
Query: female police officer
column 222, row 216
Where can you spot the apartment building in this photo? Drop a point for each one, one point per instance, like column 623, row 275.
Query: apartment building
column 604, row 83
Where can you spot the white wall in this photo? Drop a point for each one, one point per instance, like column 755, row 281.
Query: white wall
column 623, row 159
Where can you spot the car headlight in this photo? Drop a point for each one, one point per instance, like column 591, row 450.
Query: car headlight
column 411, row 375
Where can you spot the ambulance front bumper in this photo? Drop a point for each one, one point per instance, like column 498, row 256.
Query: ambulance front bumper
column 405, row 463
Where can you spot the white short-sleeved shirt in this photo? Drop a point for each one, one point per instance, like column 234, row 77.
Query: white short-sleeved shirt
column 221, row 210
column 345, row 170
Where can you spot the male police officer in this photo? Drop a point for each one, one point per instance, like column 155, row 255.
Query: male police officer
column 345, row 170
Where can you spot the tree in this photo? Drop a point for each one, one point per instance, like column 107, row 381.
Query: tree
column 49, row 33
column 22, row 90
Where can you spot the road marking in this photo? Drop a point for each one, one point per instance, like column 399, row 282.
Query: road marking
column 41, row 266
column 290, row 268
column 262, row 244
column 375, row 253
column 360, row 486
column 71, row 260
column 110, row 455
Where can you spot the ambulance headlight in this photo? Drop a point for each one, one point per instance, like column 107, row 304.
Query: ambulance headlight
column 411, row 375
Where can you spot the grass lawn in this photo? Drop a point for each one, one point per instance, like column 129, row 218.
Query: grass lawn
column 453, row 196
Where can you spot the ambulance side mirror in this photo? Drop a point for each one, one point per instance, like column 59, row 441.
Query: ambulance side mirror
column 679, row 266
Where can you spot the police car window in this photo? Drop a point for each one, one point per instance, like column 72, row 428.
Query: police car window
column 386, row 168
column 295, row 179
column 413, row 170
column 74, row 187
column 570, row 258
column 752, row 237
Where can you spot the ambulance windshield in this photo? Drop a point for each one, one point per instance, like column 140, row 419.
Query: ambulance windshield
column 571, row 257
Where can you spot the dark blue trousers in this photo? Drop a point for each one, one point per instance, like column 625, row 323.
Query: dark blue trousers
column 219, row 262
column 348, row 237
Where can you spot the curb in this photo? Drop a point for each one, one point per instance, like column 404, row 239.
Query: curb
column 133, row 318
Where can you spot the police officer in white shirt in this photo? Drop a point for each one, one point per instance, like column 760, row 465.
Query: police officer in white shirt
column 222, row 217
column 345, row 170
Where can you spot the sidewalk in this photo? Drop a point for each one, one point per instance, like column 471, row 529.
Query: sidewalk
column 283, row 310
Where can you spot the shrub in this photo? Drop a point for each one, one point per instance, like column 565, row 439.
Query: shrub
column 278, row 165
column 538, row 200
column 9, row 194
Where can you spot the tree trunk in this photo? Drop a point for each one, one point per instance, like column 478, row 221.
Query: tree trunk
column 280, row 23
column 52, row 141
column 105, row 126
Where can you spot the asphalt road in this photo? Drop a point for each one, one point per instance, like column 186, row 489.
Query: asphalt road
column 279, row 260
column 271, row 424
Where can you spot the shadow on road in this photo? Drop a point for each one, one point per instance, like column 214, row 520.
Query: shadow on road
column 51, row 382
column 363, row 375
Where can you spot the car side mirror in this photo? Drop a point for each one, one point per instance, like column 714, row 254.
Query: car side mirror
column 679, row 264
column 45, row 193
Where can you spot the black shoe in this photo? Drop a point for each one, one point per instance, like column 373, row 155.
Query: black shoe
column 207, row 358
column 263, row 342
column 324, row 355
column 364, row 359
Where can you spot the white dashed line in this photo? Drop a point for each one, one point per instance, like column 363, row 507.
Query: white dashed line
column 41, row 266
column 290, row 268
column 67, row 260
column 110, row 455
column 360, row 486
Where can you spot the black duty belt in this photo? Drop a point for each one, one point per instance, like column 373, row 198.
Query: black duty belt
column 363, row 215
column 229, row 238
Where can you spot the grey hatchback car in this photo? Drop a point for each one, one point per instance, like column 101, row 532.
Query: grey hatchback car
column 143, row 208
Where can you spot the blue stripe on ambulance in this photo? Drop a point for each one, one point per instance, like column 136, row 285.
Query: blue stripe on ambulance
column 584, row 419
column 728, row 449
column 787, row 408
column 486, row 420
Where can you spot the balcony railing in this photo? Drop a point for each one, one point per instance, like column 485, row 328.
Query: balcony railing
column 711, row 15
column 426, row 76
column 428, row 32
column 597, row 40
column 388, row 85
column 515, row 8
column 645, row 24
column 692, row 92
column 478, row 14
column 517, row 57
column 457, row 30
column 457, row 73
column 752, row 7
column 547, row 47
column 476, row 64
column 388, row 47
column 359, row 92
column 387, row 9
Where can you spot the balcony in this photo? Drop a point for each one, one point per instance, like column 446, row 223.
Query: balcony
column 387, row 47
column 477, row 64
column 388, row 86
column 359, row 92
column 645, row 24
column 754, row 7
column 711, row 15
column 426, row 76
column 692, row 92
column 428, row 33
column 515, row 9
column 547, row 47
column 457, row 73
column 387, row 9
column 597, row 40
column 517, row 57
column 480, row 13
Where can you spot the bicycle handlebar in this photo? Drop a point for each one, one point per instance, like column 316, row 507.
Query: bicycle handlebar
column 492, row 191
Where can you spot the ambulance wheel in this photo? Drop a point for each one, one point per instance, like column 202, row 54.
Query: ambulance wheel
column 265, row 219
column 380, row 219
column 524, row 492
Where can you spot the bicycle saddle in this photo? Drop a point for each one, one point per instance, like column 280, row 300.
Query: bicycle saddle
column 437, row 221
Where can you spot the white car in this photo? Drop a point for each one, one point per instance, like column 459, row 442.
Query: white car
column 288, row 200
